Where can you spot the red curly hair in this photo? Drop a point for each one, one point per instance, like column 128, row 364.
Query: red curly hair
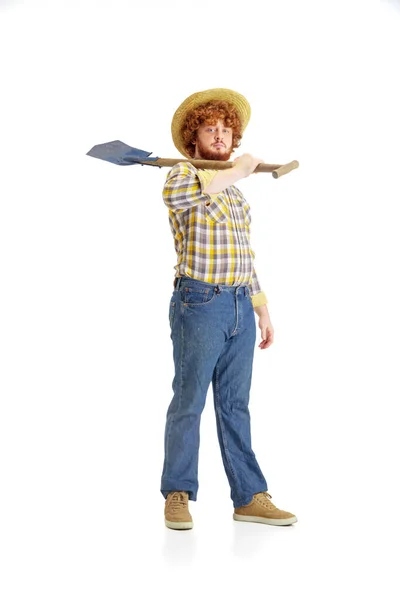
column 210, row 113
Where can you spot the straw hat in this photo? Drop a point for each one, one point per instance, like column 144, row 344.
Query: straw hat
column 239, row 102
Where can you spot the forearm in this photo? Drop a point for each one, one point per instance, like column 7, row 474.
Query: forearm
column 223, row 179
column 261, row 310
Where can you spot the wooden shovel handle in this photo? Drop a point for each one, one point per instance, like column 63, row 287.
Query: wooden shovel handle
column 282, row 170
column 219, row 165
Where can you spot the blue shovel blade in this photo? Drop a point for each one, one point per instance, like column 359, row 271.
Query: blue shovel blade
column 119, row 153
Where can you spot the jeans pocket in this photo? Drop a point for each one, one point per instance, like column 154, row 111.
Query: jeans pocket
column 198, row 296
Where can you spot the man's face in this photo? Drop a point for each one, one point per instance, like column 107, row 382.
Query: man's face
column 214, row 142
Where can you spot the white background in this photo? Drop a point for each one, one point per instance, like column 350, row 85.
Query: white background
column 86, row 270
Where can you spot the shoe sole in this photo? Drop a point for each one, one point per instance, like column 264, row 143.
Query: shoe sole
column 265, row 520
column 179, row 525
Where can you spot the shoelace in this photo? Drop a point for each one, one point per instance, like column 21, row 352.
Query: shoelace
column 264, row 498
column 177, row 501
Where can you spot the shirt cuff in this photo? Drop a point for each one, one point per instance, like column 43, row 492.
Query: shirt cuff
column 259, row 299
column 205, row 177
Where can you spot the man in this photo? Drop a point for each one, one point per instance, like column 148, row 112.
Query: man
column 211, row 312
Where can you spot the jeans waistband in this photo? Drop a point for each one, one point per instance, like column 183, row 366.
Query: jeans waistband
column 180, row 282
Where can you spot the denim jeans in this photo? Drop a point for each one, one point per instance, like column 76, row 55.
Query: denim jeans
column 213, row 332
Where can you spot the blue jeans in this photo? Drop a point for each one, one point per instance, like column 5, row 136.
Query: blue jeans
column 213, row 332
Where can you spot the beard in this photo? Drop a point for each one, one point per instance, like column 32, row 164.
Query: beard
column 210, row 154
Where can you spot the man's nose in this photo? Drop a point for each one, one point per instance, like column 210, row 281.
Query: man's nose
column 219, row 134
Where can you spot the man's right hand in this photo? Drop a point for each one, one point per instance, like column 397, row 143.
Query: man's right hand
column 246, row 164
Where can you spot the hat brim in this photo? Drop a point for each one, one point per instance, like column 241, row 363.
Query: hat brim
column 240, row 103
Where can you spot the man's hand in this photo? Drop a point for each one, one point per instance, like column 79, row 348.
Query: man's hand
column 246, row 164
column 264, row 323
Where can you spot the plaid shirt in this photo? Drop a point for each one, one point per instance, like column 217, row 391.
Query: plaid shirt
column 211, row 231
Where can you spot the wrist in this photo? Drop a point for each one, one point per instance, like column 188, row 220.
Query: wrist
column 261, row 310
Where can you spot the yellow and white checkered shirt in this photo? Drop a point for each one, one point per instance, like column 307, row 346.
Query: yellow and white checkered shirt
column 211, row 231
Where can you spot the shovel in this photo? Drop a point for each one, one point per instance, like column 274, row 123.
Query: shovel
column 121, row 154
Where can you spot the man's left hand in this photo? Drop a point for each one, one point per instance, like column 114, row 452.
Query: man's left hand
column 267, row 331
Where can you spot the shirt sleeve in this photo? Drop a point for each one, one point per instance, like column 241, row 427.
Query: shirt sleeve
column 258, row 297
column 184, row 186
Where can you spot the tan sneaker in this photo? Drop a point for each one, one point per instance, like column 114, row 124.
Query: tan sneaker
column 261, row 510
column 177, row 515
